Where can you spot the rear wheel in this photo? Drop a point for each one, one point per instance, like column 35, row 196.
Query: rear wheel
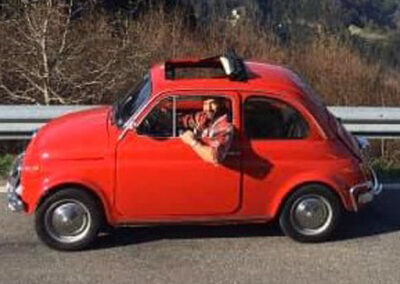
column 310, row 214
column 69, row 219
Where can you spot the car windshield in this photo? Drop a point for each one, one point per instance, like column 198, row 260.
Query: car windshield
column 124, row 108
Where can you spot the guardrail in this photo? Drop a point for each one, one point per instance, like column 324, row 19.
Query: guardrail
column 20, row 121
column 372, row 122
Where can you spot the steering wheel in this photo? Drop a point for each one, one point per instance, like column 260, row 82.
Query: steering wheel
column 180, row 128
column 159, row 120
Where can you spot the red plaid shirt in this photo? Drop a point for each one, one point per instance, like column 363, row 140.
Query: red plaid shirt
column 216, row 134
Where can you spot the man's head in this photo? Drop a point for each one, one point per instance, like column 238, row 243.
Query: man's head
column 214, row 107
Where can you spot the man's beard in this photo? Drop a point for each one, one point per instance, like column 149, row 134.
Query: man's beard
column 210, row 115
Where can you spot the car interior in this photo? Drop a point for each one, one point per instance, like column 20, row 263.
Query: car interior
column 159, row 122
column 272, row 119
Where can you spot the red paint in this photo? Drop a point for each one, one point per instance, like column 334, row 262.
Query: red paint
column 145, row 180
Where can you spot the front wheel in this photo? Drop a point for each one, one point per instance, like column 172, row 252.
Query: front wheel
column 68, row 220
column 310, row 214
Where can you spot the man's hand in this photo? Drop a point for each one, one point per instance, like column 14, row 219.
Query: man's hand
column 188, row 137
column 205, row 152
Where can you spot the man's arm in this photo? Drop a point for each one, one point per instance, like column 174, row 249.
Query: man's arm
column 195, row 121
column 207, row 153
column 217, row 150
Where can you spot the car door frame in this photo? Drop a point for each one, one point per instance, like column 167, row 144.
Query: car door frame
column 235, row 99
column 261, row 197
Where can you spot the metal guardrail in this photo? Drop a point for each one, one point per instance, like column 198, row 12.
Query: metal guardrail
column 372, row 122
column 19, row 122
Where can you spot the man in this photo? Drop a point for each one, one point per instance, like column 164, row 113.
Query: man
column 209, row 133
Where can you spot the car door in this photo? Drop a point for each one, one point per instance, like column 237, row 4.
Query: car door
column 160, row 177
column 279, row 143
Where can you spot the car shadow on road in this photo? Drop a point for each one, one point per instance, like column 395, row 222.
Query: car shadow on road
column 137, row 235
column 381, row 217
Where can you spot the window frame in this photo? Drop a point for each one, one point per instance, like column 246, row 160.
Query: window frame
column 175, row 98
column 146, row 82
column 273, row 98
column 153, row 106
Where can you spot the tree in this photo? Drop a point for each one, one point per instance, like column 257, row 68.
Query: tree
column 48, row 58
column 362, row 12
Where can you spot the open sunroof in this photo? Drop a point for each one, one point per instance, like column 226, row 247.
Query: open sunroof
column 228, row 64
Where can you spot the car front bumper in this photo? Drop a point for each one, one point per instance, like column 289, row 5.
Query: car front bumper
column 14, row 201
column 14, row 188
column 364, row 193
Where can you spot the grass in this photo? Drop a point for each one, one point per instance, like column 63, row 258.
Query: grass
column 386, row 171
column 385, row 158
column 5, row 165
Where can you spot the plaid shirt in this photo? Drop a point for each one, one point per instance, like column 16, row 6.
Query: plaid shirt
column 217, row 134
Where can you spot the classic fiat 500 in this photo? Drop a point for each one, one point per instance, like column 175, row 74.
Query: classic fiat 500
column 162, row 155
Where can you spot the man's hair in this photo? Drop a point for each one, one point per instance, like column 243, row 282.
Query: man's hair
column 222, row 106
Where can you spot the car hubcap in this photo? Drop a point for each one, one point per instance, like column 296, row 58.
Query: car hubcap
column 68, row 221
column 311, row 214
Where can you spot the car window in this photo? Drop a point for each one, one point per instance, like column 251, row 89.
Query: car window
column 190, row 115
column 176, row 114
column 159, row 121
column 266, row 118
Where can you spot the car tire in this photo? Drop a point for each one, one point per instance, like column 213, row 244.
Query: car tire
column 311, row 214
column 68, row 220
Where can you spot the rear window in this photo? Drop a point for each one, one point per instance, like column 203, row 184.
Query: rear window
column 267, row 118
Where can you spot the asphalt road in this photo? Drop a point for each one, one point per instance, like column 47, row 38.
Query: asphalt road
column 366, row 250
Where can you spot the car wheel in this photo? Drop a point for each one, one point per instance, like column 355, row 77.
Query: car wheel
column 69, row 219
column 310, row 214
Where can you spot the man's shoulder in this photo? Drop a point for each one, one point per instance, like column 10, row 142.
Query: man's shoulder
column 223, row 119
column 222, row 124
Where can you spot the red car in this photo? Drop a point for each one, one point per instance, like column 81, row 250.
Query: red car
column 161, row 156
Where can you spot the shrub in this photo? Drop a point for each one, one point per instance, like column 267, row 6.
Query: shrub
column 5, row 164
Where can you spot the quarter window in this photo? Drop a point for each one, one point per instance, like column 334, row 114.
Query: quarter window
column 266, row 118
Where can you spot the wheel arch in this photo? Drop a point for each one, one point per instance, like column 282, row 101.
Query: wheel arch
column 103, row 205
column 277, row 212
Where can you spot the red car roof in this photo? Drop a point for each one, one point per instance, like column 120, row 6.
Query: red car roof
column 264, row 77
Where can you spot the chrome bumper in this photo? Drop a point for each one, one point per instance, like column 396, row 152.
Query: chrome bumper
column 14, row 187
column 374, row 188
column 14, row 201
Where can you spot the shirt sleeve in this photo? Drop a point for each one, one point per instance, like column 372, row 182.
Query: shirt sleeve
column 196, row 121
column 221, row 143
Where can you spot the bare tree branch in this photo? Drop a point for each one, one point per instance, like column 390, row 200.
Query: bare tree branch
column 66, row 29
column 17, row 97
column 32, row 83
